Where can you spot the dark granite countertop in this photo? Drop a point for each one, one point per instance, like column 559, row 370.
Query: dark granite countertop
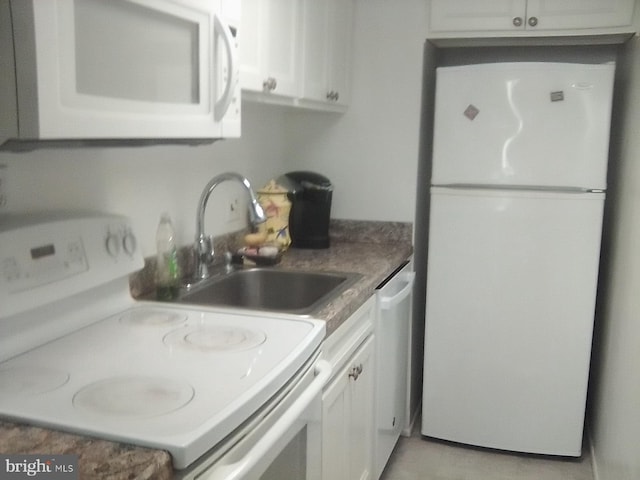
column 373, row 249
column 97, row 459
column 374, row 261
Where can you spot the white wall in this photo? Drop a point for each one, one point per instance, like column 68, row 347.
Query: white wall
column 371, row 152
column 615, row 391
column 142, row 182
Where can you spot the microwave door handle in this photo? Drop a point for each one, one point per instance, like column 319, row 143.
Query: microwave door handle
column 222, row 105
column 242, row 467
column 387, row 303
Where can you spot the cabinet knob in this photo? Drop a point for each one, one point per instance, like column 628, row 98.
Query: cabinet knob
column 517, row 21
column 355, row 372
column 333, row 96
column 533, row 21
column 270, row 84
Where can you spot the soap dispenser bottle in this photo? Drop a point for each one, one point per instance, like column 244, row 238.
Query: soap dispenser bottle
column 167, row 268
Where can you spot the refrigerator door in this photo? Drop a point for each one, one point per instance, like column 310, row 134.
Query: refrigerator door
column 544, row 124
column 511, row 287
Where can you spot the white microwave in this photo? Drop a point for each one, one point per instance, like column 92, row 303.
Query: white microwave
column 119, row 69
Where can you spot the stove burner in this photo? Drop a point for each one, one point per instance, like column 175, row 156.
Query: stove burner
column 30, row 380
column 215, row 338
column 133, row 397
column 152, row 317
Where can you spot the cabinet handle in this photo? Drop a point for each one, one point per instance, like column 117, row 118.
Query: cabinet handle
column 517, row 21
column 270, row 84
column 533, row 21
column 355, row 372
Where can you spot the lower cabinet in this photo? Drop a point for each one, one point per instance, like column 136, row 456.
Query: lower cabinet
column 346, row 425
column 348, row 400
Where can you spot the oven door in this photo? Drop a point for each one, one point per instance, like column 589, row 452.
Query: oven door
column 286, row 443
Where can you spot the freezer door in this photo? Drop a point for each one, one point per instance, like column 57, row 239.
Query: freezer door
column 511, row 289
column 543, row 124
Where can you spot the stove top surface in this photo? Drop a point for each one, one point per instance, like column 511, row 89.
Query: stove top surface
column 174, row 378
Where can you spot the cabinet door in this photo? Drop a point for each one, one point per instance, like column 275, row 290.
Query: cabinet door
column 361, row 425
column 327, row 50
column 253, row 49
column 335, row 428
column 269, row 41
column 340, row 36
column 477, row 15
column 284, row 40
column 347, row 419
column 316, row 49
column 578, row 14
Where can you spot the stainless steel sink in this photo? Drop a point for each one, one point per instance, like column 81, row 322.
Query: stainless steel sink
column 275, row 290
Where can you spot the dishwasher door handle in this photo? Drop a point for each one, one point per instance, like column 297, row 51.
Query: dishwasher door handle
column 387, row 303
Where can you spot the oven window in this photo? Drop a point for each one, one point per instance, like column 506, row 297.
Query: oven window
column 127, row 51
column 292, row 461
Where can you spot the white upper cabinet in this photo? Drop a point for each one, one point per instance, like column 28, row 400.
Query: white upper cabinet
column 297, row 52
column 327, row 29
column 454, row 22
column 579, row 14
column 479, row 15
column 269, row 46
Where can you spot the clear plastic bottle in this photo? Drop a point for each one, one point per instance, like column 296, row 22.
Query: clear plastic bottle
column 167, row 267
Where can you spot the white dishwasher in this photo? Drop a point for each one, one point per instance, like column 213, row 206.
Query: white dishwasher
column 393, row 320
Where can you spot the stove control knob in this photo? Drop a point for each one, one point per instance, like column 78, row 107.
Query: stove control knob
column 113, row 244
column 129, row 243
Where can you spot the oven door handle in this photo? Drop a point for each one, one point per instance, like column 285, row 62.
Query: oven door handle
column 242, row 467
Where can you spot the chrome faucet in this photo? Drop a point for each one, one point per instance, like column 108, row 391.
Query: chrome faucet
column 204, row 244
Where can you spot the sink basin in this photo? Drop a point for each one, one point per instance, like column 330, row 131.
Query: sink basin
column 286, row 291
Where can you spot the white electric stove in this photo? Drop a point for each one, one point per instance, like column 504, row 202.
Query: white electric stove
column 79, row 354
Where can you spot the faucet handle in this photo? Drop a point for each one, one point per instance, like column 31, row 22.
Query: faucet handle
column 205, row 247
column 228, row 262
column 204, row 255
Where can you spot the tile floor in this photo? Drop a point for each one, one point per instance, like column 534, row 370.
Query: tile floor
column 416, row 458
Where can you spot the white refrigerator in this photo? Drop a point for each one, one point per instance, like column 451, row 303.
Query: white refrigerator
column 518, row 186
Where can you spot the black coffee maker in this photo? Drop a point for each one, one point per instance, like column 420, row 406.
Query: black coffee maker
column 310, row 195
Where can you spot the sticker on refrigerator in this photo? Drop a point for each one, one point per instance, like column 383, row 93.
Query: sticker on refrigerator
column 471, row 112
column 557, row 96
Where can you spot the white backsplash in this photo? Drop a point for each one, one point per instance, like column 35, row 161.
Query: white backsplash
column 145, row 181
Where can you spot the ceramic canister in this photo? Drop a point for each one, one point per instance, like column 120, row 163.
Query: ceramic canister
column 276, row 205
